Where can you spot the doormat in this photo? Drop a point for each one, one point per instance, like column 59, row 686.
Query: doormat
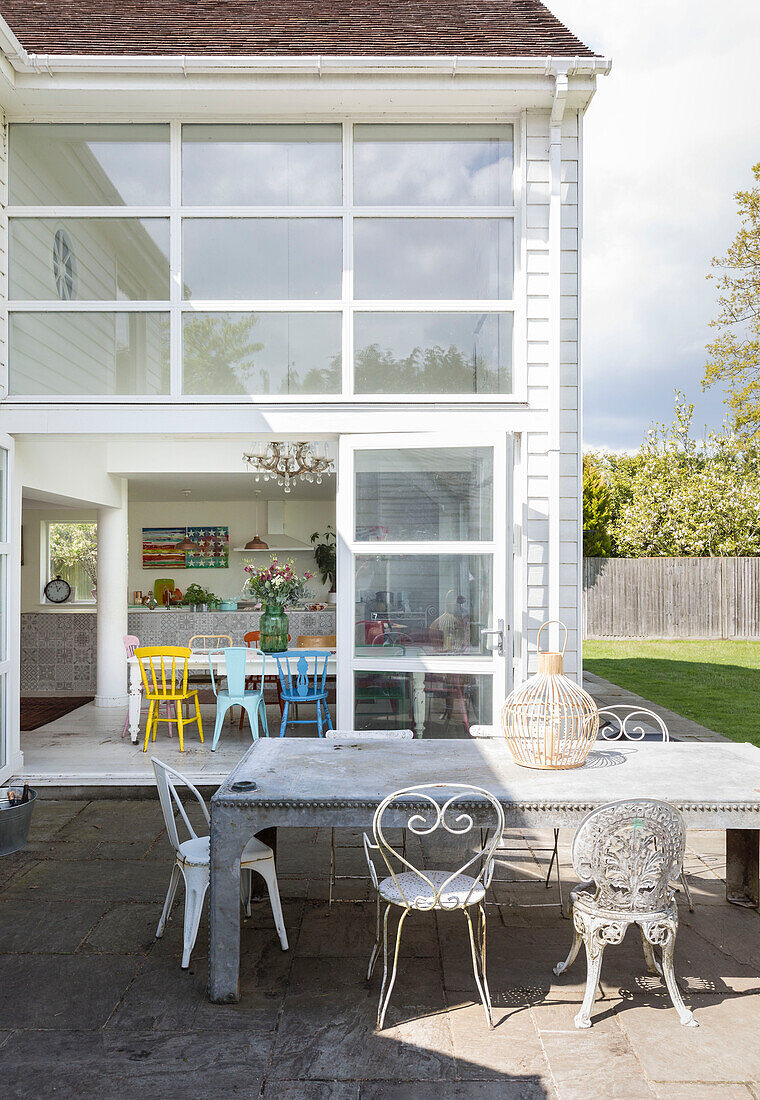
column 38, row 710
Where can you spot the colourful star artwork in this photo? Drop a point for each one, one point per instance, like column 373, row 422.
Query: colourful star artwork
column 160, row 548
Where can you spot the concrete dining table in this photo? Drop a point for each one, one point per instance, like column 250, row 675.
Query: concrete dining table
column 313, row 782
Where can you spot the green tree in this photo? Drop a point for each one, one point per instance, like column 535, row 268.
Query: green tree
column 72, row 545
column 219, row 353
column 735, row 352
column 597, row 511
column 683, row 496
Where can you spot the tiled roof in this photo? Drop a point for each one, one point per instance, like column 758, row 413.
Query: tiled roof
column 410, row 28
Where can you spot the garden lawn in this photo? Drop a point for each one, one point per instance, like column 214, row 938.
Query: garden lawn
column 716, row 683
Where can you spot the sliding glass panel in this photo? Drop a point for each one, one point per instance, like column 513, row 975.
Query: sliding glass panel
column 98, row 354
column 95, row 259
column 100, row 164
column 422, row 603
column 3, row 497
column 435, row 494
column 268, row 165
column 401, row 258
column 3, row 718
column 433, row 704
column 262, row 353
column 433, row 165
column 3, row 608
column 405, row 353
column 262, row 258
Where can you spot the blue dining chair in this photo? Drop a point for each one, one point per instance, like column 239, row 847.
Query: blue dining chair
column 236, row 694
column 300, row 683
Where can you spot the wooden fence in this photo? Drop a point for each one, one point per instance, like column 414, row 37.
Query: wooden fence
column 671, row 597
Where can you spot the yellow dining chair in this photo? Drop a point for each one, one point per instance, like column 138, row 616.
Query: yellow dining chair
column 164, row 675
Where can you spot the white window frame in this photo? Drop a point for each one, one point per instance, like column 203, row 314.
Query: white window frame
column 46, row 573
column 499, row 548
column 10, row 577
column 177, row 307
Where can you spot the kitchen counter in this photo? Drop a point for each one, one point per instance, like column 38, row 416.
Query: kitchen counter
column 58, row 651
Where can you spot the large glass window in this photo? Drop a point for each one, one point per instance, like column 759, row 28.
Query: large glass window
column 262, row 258
column 432, row 165
column 277, row 353
column 73, row 555
column 89, row 259
column 52, row 164
column 286, row 269
column 284, row 165
column 95, row 354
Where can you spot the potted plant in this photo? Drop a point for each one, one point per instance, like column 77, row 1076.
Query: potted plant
column 325, row 557
column 200, row 599
column 277, row 586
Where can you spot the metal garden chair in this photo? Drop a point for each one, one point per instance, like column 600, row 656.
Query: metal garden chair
column 360, row 735
column 458, row 809
column 236, row 695
column 192, row 858
column 301, row 684
column 627, row 853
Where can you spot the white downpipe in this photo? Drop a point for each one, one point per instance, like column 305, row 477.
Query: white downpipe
column 111, row 688
column 555, row 314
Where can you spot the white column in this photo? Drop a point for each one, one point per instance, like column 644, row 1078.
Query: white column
column 111, row 688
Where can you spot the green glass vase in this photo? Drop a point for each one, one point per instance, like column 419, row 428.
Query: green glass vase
column 273, row 629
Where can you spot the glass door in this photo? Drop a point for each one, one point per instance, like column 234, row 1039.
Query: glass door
column 423, row 545
column 6, row 452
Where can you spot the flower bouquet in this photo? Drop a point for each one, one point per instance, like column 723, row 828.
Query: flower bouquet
column 277, row 586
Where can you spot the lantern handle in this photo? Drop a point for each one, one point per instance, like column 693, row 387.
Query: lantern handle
column 549, row 623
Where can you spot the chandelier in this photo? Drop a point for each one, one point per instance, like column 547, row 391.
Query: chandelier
column 285, row 463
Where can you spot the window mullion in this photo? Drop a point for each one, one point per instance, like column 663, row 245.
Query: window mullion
column 175, row 260
column 347, row 342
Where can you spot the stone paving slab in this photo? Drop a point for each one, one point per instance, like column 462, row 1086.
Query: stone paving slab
column 93, row 1005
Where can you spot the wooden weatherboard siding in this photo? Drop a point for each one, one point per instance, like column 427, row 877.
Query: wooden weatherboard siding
column 671, row 597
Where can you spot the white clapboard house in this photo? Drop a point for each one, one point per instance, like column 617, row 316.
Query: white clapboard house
column 348, row 224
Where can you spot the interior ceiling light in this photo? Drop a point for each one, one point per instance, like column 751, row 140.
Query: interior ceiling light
column 285, row 463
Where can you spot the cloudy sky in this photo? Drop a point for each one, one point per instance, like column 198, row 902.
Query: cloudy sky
column 670, row 136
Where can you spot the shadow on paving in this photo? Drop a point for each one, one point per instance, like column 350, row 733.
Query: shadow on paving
column 94, row 1005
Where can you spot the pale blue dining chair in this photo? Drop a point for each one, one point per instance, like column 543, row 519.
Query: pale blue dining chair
column 236, row 695
column 302, row 681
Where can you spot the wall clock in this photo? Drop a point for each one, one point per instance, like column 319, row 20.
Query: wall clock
column 58, row 590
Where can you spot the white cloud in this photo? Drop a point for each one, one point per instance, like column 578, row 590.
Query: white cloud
column 669, row 138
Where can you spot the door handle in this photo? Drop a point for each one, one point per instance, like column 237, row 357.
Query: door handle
column 500, row 635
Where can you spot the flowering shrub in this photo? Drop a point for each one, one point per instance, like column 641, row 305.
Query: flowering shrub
column 278, row 584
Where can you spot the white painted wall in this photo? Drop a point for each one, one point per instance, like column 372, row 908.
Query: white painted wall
column 244, row 518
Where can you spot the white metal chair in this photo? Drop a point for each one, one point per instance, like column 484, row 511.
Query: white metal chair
column 359, row 735
column 192, row 858
column 458, row 809
column 627, row 853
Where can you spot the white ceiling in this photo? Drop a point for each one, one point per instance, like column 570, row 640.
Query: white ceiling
column 222, row 486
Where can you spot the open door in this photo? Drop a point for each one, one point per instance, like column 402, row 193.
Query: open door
column 6, row 617
column 423, row 599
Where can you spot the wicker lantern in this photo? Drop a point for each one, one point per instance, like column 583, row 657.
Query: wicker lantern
column 550, row 722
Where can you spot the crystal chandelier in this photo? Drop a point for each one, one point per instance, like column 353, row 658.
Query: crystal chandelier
column 284, row 463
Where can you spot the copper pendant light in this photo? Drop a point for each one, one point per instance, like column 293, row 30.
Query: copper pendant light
column 187, row 544
column 256, row 544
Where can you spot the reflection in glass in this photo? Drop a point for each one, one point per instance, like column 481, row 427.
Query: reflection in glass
column 261, row 165
column 433, row 704
column 3, row 696
column 3, row 497
column 435, row 494
column 433, row 165
column 88, row 164
column 248, row 258
column 403, row 353
column 94, row 354
column 398, row 258
column 89, row 259
column 407, row 604
column 261, row 353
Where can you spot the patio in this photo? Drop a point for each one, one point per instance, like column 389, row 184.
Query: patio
column 95, row 1004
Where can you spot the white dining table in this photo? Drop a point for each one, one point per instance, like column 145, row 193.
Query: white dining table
column 199, row 662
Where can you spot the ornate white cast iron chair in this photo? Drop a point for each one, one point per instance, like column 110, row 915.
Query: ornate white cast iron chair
column 353, row 736
column 627, row 853
column 458, row 809
column 192, row 858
